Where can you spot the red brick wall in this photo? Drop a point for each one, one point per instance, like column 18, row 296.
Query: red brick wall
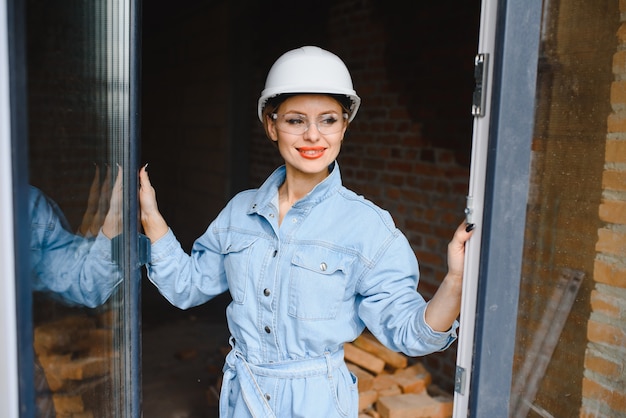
column 603, row 388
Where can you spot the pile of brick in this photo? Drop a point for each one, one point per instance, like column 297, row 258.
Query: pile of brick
column 75, row 353
column 390, row 387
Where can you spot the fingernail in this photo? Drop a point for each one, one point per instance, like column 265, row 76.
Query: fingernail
column 469, row 227
column 145, row 167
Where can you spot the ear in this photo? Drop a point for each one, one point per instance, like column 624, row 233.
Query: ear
column 270, row 128
column 345, row 131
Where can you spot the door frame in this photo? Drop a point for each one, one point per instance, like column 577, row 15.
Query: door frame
column 515, row 26
column 16, row 353
column 8, row 349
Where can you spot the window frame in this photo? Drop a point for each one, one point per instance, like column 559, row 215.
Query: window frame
column 16, row 302
column 507, row 181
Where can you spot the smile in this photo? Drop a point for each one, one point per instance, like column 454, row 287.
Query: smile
column 311, row 153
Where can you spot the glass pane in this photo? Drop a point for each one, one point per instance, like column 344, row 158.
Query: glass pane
column 79, row 136
column 569, row 358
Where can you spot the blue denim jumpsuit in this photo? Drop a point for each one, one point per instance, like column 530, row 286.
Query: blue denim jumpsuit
column 72, row 268
column 336, row 265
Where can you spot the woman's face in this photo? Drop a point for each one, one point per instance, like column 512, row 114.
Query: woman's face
column 309, row 152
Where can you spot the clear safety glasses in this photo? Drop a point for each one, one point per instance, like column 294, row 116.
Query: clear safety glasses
column 297, row 124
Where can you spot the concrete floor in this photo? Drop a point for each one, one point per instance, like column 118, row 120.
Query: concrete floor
column 181, row 356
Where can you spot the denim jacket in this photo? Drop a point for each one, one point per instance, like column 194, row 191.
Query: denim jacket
column 336, row 265
column 74, row 269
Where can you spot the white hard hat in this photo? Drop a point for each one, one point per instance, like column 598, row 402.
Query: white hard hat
column 309, row 69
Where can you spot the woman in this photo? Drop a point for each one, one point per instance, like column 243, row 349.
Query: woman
column 309, row 264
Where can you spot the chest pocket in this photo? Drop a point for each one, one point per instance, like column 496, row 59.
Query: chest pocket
column 317, row 283
column 237, row 264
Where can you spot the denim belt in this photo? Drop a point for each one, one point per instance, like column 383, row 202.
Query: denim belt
column 238, row 367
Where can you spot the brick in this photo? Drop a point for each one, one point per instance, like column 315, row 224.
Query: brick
column 363, row 359
column 383, row 382
column 62, row 335
column 369, row 413
column 85, row 368
column 605, row 334
column 64, row 404
column 611, row 242
column 364, row 378
column 367, row 399
column 52, row 366
column 605, row 304
column 392, row 391
column 609, row 273
column 615, row 151
column 618, row 94
column 613, row 398
column 408, row 406
column 616, row 122
column 619, row 62
column 369, row 343
column 413, row 379
column 603, row 366
column 614, row 180
column 613, row 211
column 446, row 400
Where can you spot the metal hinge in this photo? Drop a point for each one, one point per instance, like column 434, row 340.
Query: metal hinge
column 480, row 77
column 469, row 210
column 459, row 380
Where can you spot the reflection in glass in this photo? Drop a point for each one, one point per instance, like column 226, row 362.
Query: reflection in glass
column 78, row 72
column 75, row 268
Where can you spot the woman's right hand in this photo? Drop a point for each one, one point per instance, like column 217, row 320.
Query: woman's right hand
column 154, row 226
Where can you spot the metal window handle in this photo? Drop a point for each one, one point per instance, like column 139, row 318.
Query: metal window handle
column 480, row 77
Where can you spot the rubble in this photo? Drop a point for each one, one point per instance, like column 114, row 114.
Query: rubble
column 76, row 355
column 398, row 388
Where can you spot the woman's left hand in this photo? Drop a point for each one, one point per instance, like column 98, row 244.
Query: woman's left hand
column 456, row 249
column 444, row 307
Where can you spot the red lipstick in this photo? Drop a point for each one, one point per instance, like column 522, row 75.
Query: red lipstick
column 311, row 153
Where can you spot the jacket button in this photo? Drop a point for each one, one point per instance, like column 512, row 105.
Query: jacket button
column 267, row 329
column 266, row 292
column 267, row 396
column 323, row 266
column 275, row 252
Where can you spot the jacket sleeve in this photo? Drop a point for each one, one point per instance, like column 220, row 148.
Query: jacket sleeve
column 390, row 306
column 188, row 280
column 74, row 269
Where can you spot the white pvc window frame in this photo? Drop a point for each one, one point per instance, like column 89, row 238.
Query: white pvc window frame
column 9, row 395
column 499, row 179
column 476, row 198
